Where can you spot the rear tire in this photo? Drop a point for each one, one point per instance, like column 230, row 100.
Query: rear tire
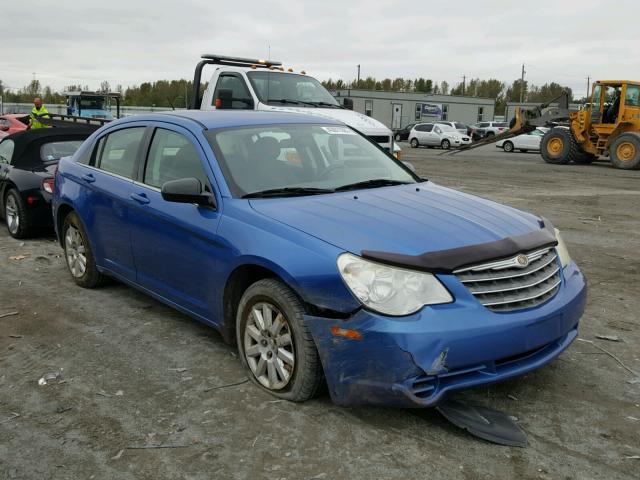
column 280, row 355
column 16, row 216
column 445, row 144
column 559, row 147
column 625, row 151
column 507, row 146
column 78, row 253
column 415, row 143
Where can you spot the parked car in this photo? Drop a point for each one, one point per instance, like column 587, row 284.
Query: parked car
column 436, row 135
column 460, row 127
column 27, row 162
column 403, row 133
column 14, row 123
column 524, row 142
column 488, row 129
column 321, row 256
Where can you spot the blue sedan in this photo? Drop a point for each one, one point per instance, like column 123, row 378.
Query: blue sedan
column 321, row 256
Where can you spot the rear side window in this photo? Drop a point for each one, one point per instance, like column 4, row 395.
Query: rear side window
column 172, row 156
column 484, row 125
column 53, row 151
column 6, row 151
column 119, row 151
column 499, row 124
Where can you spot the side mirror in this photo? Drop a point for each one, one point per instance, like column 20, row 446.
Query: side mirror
column 224, row 99
column 347, row 103
column 187, row 190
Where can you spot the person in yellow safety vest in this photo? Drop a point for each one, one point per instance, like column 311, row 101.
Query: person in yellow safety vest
column 37, row 111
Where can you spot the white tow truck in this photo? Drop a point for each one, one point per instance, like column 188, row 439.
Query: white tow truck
column 248, row 84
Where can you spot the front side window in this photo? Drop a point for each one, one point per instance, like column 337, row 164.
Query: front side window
column 171, row 157
column 120, row 150
column 327, row 157
column 279, row 88
column 6, row 151
column 54, row 151
column 632, row 97
column 241, row 98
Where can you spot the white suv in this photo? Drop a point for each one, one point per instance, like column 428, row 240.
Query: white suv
column 460, row 127
column 437, row 135
column 489, row 129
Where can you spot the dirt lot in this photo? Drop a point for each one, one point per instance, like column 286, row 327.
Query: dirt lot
column 135, row 373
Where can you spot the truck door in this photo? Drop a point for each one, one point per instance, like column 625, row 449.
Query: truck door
column 241, row 98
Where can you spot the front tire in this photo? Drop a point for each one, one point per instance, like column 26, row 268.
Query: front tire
column 625, row 151
column 445, row 144
column 507, row 147
column 275, row 345
column 78, row 253
column 558, row 147
column 415, row 143
column 16, row 216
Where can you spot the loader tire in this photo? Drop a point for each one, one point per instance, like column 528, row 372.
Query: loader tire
column 625, row 151
column 559, row 147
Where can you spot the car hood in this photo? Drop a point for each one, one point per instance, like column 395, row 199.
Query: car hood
column 408, row 219
column 362, row 123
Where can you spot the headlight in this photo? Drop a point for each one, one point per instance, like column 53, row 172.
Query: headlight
column 390, row 290
column 561, row 248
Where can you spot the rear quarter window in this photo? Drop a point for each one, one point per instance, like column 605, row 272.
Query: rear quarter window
column 54, row 151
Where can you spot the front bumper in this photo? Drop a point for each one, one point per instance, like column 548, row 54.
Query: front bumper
column 415, row 361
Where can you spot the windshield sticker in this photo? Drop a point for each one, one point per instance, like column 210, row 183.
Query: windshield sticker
column 339, row 130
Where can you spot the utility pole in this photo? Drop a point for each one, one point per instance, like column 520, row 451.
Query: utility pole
column 464, row 83
column 588, row 88
column 358, row 82
column 522, row 84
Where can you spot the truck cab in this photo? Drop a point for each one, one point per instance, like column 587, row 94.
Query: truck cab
column 92, row 104
column 247, row 84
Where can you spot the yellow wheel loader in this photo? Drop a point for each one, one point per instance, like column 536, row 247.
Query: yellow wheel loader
column 608, row 126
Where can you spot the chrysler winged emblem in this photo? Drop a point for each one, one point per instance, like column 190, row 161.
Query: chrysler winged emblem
column 522, row 261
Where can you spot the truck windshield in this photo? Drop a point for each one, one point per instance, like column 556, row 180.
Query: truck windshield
column 302, row 159
column 279, row 88
column 93, row 103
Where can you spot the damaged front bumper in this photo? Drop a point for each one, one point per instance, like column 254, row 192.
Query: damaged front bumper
column 415, row 361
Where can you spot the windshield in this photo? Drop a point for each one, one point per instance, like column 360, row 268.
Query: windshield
column 54, row 151
column 274, row 87
column 268, row 157
column 93, row 103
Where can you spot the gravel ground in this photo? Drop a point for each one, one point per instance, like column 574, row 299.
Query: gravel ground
column 134, row 373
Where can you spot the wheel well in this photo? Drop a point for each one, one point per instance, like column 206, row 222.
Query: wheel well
column 239, row 280
column 63, row 211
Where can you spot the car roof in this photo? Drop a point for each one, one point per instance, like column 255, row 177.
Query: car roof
column 28, row 138
column 229, row 118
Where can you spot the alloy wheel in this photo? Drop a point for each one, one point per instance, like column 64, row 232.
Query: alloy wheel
column 12, row 214
column 268, row 346
column 75, row 252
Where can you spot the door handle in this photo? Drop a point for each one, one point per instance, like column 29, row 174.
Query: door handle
column 88, row 177
column 140, row 198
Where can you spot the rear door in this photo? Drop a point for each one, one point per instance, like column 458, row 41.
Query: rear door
column 175, row 244
column 106, row 206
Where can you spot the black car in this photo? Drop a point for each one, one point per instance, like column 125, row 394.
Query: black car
column 27, row 164
column 403, row 133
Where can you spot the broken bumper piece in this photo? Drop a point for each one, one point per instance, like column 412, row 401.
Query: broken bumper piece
column 415, row 361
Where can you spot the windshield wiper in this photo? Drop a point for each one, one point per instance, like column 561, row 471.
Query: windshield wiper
column 374, row 183
column 289, row 100
column 288, row 192
column 326, row 104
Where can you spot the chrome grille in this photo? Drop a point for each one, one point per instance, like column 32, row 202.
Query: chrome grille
column 506, row 285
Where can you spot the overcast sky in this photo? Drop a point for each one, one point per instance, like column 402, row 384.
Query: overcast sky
column 131, row 41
